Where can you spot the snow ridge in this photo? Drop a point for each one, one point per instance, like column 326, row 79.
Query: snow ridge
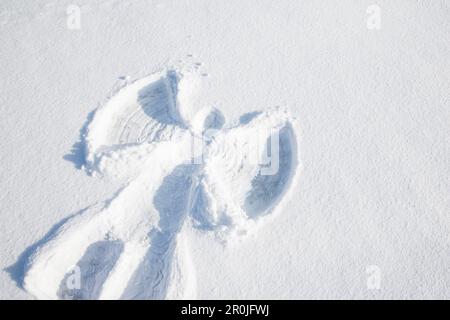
column 178, row 167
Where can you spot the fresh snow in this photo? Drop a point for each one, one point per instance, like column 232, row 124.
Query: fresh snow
column 137, row 151
column 128, row 247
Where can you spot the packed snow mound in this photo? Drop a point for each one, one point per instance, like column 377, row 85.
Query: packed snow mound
column 181, row 170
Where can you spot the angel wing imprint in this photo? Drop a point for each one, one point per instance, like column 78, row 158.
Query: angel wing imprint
column 178, row 170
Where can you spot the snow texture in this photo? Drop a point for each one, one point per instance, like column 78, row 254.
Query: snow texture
column 128, row 163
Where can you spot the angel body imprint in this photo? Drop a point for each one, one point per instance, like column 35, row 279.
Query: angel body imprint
column 175, row 168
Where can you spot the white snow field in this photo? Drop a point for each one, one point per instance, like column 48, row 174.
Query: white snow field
column 250, row 149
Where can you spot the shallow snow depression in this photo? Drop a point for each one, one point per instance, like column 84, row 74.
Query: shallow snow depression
column 179, row 169
column 367, row 80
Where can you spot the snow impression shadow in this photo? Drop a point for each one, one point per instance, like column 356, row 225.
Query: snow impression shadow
column 172, row 200
column 267, row 190
column 77, row 154
column 17, row 270
column 158, row 100
column 155, row 116
column 84, row 282
column 247, row 117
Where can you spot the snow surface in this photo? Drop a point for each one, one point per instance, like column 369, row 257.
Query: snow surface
column 222, row 180
column 363, row 121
